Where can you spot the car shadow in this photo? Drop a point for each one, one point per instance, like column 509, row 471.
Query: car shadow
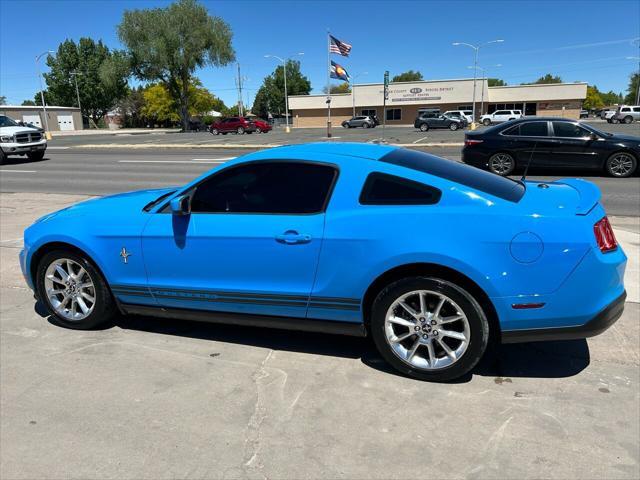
column 21, row 160
column 557, row 359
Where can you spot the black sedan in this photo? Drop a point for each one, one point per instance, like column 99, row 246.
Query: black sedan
column 429, row 120
column 551, row 143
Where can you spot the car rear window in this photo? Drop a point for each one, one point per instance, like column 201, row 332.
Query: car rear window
column 461, row 173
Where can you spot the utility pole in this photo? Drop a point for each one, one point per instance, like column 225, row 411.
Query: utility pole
column 384, row 102
column 75, row 77
column 239, row 85
column 286, row 95
column 47, row 134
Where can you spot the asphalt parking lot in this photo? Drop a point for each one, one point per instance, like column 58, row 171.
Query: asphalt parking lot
column 150, row 398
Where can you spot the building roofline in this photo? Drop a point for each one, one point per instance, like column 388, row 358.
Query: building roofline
column 39, row 107
column 539, row 85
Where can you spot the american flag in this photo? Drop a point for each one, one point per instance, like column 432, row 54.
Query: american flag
column 339, row 47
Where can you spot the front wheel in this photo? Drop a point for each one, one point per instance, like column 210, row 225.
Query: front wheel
column 502, row 164
column 36, row 156
column 365, row 125
column 258, row 130
column 429, row 328
column 453, row 127
column 486, row 122
column 621, row 165
column 424, row 127
column 3, row 157
column 628, row 119
column 240, row 130
column 615, row 120
column 73, row 290
column 215, row 131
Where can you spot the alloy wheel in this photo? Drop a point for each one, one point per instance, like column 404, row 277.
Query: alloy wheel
column 501, row 163
column 621, row 165
column 70, row 289
column 427, row 330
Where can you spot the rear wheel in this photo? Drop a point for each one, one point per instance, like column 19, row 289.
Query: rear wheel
column 258, row 130
column 424, row 127
column 73, row 290
column 453, row 127
column 628, row 119
column 621, row 165
column 365, row 125
column 502, row 164
column 215, row 131
column 240, row 130
column 429, row 328
column 615, row 120
column 486, row 122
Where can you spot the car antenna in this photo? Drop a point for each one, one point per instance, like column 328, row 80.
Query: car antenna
column 526, row 169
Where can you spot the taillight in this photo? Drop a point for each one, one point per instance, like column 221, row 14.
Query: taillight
column 604, row 236
column 469, row 142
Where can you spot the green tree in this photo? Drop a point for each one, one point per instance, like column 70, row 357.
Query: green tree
column 130, row 107
column 496, row 82
column 159, row 105
column 611, row 98
column 408, row 76
column 342, row 88
column 167, row 45
column 632, row 90
column 3, row 100
column 26, row 103
column 100, row 84
column 270, row 96
column 593, row 99
column 548, row 78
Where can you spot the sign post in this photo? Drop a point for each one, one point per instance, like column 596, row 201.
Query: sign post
column 384, row 102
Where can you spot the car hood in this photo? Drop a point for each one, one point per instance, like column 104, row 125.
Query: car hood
column 14, row 130
column 118, row 204
column 624, row 138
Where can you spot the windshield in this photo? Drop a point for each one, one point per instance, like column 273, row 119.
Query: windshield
column 7, row 122
column 596, row 131
column 155, row 202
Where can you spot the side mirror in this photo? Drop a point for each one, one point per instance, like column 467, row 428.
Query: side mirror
column 593, row 136
column 181, row 205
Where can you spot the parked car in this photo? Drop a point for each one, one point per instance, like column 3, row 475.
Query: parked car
column 298, row 238
column 262, row 126
column 551, row 143
column 363, row 121
column 239, row 125
column 466, row 114
column 427, row 121
column 584, row 113
column 627, row 113
column 608, row 113
column 500, row 116
column 20, row 140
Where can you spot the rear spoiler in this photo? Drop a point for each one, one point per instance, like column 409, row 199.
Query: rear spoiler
column 588, row 191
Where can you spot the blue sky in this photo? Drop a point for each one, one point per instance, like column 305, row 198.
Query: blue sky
column 578, row 40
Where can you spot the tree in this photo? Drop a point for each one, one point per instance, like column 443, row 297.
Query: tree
column 131, row 108
column 632, row 90
column 548, row 78
column 3, row 100
column 100, row 83
column 593, row 99
column 408, row 76
column 342, row 88
column 159, row 105
column 29, row 103
column 167, row 45
column 611, row 98
column 496, row 82
column 270, row 96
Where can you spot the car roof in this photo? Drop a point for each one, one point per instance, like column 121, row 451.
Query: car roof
column 367, row 151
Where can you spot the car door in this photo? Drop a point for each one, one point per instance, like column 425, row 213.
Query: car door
column 530, row 141
column 250, row 243
column 574, row 146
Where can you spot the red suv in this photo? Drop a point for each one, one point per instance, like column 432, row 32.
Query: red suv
column 237, row 125
column 261, row 125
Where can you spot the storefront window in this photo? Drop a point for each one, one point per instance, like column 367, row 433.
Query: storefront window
column 394, row 114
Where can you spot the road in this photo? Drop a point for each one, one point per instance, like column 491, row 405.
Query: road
column 108, row 170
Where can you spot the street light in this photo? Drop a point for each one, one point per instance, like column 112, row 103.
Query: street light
column 75, row 77
column 484, row 70
column 475, row 69
column 44, row 107
column 638, row 89
column 286, row 97
column 353, row 89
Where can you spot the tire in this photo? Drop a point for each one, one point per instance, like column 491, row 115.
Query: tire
column 412, row 355
column 628, row 119
column 258, row 130
column 486, row 122
column 453, row 127
column 502, row 164
column 615, row 121
column 240, row 131
column 101, row 310
column 365, row 125
column 621, row 165
column 608, row 120
column 36, row 156
column 3, row 157
column 424, row 127
column 215, row 131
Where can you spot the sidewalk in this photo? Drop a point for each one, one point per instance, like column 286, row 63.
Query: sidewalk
column 121, row 131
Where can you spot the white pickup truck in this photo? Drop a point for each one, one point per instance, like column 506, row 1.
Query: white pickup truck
column 17, row 140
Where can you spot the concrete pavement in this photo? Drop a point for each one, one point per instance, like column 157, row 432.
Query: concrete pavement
column 151, row 398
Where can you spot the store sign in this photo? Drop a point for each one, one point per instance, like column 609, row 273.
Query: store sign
column 418, row 94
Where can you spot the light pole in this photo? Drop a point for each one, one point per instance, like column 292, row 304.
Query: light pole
column 286, row 97
column 484, row 75
column 638, row 88
column 476, row 48
column 44, row 107
column 353, row 90
column 75, row 77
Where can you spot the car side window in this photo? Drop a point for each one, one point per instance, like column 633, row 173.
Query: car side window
column 384, row 189
column 569, row 130
column 534, row 129
column 513, row 131
column 266, row 187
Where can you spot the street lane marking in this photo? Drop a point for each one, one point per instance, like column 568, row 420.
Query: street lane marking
column 174, row 161
column 18, row 171
column 58, row 148
column 223, row 159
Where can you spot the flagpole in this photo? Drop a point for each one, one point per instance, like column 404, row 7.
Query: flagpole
column 328, row 84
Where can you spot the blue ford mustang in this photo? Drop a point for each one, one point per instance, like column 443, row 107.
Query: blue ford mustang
column 432, row 258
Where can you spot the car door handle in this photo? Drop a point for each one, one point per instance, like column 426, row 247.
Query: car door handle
column 291, row 237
